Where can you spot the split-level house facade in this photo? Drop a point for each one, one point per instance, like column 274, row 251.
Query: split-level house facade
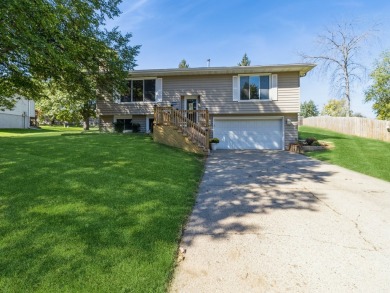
column 248, row 107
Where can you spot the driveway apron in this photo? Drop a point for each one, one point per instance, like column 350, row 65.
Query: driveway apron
column 273, row 221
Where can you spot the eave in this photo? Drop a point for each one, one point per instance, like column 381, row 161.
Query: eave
column 302, row 68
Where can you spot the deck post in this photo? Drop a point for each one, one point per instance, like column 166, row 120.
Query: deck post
column 155, row 122
column 207, row 118
column 172, row 119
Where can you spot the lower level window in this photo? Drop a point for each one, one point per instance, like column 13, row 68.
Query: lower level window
column 254, row 87
column 127, row 124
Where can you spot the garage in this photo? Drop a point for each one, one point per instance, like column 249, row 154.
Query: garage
column 249, row 133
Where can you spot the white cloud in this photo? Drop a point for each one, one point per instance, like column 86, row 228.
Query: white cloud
column 134, row 6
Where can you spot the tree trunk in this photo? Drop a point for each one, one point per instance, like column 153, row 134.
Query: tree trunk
column 348, row 102
column 86, row 123
column 347, row 97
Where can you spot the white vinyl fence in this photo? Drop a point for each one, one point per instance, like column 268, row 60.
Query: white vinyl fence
column 364, row 127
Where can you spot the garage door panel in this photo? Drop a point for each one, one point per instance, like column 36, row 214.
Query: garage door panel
column 249, row 134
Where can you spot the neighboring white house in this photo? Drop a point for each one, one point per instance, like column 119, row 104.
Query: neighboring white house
column 19, row 116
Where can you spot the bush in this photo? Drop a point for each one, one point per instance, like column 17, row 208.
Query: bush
column 136, row 127
column 310, row 140
column 316, row 143
column 214, row 140
column 119, row 126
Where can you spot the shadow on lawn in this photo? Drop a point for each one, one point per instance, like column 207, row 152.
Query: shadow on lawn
column 19, row 131
column 89, row 207
column 305, row 134
column 239, row 184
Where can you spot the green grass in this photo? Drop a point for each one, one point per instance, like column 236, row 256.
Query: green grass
column 368, row 156
column 44, row 130
column 91, row 213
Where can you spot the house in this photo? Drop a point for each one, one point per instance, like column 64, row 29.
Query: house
column 21, row 116
column 247, row 107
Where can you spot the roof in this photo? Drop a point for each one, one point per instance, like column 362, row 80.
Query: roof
column 302, row 68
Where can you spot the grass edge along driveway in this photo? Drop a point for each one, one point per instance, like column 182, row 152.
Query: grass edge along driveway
column 91, row 212
column 367, row 156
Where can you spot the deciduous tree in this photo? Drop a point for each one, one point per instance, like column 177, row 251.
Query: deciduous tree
column 339, row 55
column 379, row 91
column 335, row 108
column 63, row 43
column 62, row 106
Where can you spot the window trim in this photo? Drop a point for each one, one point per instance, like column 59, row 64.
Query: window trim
column 143, row 98
column 255, row 100
column 123, row 117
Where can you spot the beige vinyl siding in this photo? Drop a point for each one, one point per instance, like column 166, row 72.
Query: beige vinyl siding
column 290, row 130
column 105, row 123
column 289, row 92
column 141, row 120
column 211, row 89
column 106, row 107
column 216, row 94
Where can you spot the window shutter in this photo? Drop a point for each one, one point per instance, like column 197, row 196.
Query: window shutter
column 236, row 88
column 159, row 90
column 274, row 88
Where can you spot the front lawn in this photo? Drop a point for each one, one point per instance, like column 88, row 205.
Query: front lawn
column 368, row 156
column 91, row 212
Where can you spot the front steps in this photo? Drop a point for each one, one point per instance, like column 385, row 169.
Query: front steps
column 172, row 136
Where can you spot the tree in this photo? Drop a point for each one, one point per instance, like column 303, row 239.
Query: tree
column 379, row 91
column 357, row 114
column 338, row 56
column 335, row 108
column 183, row 64
column 245, row 61
column 61, row 43
column 61, row 106
column 309, row 109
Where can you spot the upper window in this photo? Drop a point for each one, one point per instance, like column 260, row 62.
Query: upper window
column 254, row 87
column 140, row 90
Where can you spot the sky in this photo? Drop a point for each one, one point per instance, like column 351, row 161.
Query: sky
column 270, row 32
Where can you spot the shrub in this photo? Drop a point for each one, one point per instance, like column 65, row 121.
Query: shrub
column 119, row 126
column 136, row 127
column 214, row 140
column 310, row 140
column 316, row 143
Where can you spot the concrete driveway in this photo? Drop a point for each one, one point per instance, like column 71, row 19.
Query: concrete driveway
column 273, row 221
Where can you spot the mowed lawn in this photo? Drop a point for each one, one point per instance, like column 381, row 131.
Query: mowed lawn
column 91, row 212
column 368, row 156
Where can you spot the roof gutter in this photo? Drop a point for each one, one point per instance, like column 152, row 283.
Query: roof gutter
column 302, row 68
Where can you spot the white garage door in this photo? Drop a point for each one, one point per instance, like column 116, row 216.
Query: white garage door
column 249, row 133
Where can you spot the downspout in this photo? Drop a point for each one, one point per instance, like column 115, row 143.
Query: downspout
column 28, row 113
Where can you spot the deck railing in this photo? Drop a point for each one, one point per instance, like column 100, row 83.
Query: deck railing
column 193, row 123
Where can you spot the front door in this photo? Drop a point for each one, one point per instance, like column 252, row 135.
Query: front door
column 191, row 106
column 151, row 122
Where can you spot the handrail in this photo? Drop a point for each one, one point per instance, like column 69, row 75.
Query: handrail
column 185, row 121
